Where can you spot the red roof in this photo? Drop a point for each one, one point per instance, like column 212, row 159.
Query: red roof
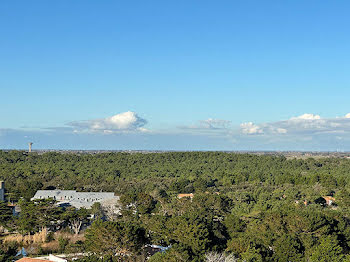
column 185, row 195
column 327, row 198
column 28, row 259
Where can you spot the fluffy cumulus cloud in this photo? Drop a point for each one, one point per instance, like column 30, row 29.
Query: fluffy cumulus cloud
column 306, row 117
column 306, row 124
column 250, row 128
column 123, row 122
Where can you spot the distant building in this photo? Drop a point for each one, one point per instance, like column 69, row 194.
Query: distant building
column 2, row 191
column 29, row 259
column 191, row 195
column 329, row 200
column 79, row 199
column 50, row 258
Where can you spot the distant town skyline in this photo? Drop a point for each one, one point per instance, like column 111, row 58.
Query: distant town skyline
column 184, row 75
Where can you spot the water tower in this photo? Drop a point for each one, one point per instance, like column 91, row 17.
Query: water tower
column 30, row 147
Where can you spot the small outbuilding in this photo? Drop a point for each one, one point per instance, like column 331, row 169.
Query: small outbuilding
column 191, row 195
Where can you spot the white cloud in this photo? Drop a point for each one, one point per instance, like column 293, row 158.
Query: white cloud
column 215, row 123
column 123, row 122
column 281, row 130
column 304, row 125
column 144, row 130
column 250, row 128
column 306, row 117
column 347, row 115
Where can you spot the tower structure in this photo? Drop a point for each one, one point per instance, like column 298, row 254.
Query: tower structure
column 30, row 147
column 2, row 191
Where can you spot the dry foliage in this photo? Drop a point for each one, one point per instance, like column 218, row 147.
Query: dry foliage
column 37, row 238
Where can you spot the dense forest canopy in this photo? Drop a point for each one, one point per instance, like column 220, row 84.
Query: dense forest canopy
column 177, row 172
column 258, row 208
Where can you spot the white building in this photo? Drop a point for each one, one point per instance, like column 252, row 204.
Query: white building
column 78, row 199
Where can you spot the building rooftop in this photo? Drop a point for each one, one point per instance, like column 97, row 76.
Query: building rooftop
column 191, row 195
column 28, row 259
column 74, row 198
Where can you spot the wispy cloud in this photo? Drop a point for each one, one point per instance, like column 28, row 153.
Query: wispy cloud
column 209, row 124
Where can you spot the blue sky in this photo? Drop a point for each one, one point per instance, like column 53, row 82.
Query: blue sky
column 182, row 75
